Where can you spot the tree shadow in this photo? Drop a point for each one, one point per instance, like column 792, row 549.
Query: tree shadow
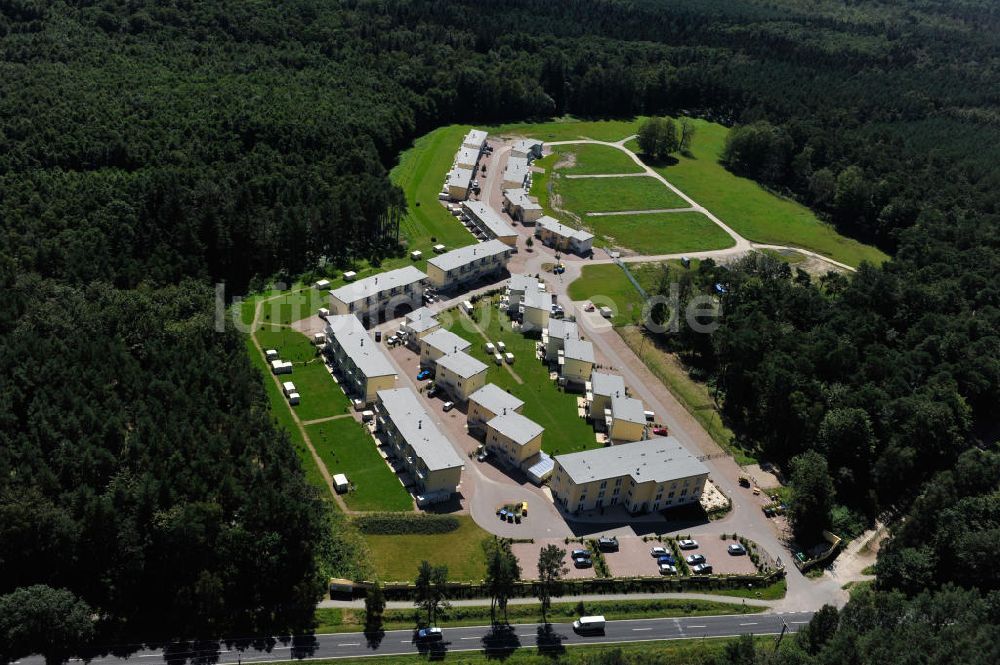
column 550, row 643
column 663, row 162
column 304, row 646
column 374, row 636
column 501, row 641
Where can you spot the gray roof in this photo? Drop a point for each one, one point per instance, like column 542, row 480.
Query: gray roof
column 661, row 460
column 489, row 218
column 446, row 341
column 537, row 299
column 466, row 155
column 421, row 313
column 416, row 427
column 474, row 138
column 495, row 399
column 628, row 409
column 519, row 197
column 578, row 349
column 523, row 283
column 376, row 284
column 608, row 385
column 457, row 258
column 557, row 227
column 526, row 145
column 516, row 169
column 358, row 345
column 461, row 364
column 563, row 329
column 421, row 319
column 516, row 427
column 460, row 177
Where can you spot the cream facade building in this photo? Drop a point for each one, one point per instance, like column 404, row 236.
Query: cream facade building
column 384, row 293
column 642, row 477
column 459, row 267
column 460, row 375
column 362, row 367
column 489, row 402
column 410, row 433
column 514, row 439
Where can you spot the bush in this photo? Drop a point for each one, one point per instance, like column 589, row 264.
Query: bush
column 394, row 524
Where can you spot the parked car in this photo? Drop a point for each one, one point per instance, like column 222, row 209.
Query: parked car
column 687, row 544
column 378, row 335
column 693, row 559
column 661, row 431
column 736, row 549
column 583, row 563
column 702, row 569
column 483, row 455
column 432, row 634
column 667, row 569
column 589, row 307
column 448, row 406
column 432, row 390
column 580, row 554
column 658, row 551
column 608, row 544
column 423, row 374
column 666, row 558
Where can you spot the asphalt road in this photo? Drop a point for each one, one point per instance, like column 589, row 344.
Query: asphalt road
column 476, row 638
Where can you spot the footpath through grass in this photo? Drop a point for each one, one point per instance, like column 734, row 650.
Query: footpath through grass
column 397, row 558
column 544, row 402
column 751, row 210
column 321, row 397
column 583, row 195
column 347, row 447
column 337, row 620
column 590, row 159
column 661, row 233
column 282, row 415
column 605, row 284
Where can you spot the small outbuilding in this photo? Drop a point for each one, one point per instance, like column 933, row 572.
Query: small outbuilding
column 340, row 483
column 293, row 398
column 322, row 284
column 271, row 354
column 350, row 276
column 323, row 312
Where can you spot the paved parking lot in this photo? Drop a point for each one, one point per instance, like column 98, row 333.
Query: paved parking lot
column 714, row 550
column 527, row 556
column 632, row 559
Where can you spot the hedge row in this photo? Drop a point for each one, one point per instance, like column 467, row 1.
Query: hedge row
column 395, row 524
column 577, row 587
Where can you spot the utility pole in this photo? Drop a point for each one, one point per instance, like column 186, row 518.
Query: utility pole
column 784, row 629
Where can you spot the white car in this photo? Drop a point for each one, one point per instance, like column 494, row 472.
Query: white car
column 448, row 406
column 667, row 569
column 687, row 544
column 657, row 552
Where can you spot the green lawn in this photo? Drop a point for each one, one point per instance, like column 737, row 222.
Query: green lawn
column 346, row 447
column 661, row 233
column 337, row 620
column 540, row 183
column 751, row 210
column 569, row 128
column 320, row 396
column 606, row 285
column 590, row 158
column 420, row 173
column 282, row 415
column 583, row 195
column 396, row 558
column 544, row 402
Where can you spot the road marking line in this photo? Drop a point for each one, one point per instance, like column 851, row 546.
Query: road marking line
column 469, row 638
column 697, row 626
column 638, row 629
column 753, row 623
column 350, row 644
column 277, row 648
column 798, row 622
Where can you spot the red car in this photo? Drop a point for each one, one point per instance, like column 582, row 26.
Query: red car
column 662, row 431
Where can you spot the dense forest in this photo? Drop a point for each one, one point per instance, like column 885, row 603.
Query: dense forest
column 149, row 148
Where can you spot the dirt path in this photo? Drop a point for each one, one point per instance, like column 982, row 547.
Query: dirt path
column 298, row 421
column 639, row 212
